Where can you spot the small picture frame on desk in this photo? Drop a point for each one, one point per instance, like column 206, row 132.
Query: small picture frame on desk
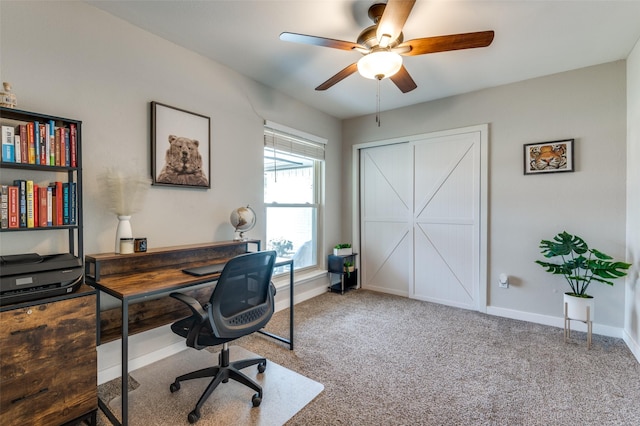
column 180, row 147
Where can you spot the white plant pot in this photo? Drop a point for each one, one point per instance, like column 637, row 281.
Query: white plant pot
column 577, row 307
column 342, row 251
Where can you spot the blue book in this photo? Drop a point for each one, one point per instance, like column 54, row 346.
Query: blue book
column 72, row 203
column 8, row 145
column 36, row 138
column 65, row 203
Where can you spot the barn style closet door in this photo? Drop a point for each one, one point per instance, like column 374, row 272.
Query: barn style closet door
column 420, row 218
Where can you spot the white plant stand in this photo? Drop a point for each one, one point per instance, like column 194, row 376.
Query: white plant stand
column 567, row 324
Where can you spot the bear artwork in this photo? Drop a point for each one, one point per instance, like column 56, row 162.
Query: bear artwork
column 183, row 163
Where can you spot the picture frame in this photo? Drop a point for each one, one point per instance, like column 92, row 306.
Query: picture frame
column 548, row 157
column 180, row 147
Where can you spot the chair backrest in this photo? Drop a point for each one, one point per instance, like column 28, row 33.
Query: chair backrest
column 242, row 301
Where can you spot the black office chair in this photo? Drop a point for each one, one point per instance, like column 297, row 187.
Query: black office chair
column 241, row 303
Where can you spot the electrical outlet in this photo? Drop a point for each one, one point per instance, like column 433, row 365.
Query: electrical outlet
column 503, row 281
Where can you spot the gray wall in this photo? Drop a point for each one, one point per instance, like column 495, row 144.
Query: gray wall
column 73, row 60
column 587, row 104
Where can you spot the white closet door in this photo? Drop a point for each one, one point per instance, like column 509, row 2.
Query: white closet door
column 446, row 220
column 386, row 210
column 420, row 218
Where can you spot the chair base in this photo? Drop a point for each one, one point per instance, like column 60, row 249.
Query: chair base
column 221, row 374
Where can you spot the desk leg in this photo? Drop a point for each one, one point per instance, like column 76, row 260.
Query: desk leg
column 125, row 362
column 291, row 305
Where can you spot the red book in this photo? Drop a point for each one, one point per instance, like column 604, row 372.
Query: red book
column 59, row 202
column 63, row 146
column 14, row 207
column 74, row 144
column 42, row 206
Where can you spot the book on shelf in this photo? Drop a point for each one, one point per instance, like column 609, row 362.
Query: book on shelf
column 4, row 206
column 14, row 209
column 73, row 203
column 65, row 203
column 36, row 139
column 17, row 149
column 31, row 159
column 74, row 144
column 22, row 202
column 30, row 205
column 49, row 206
column 51, row 151
column 8, row 145
column 21, row 129
column 56, row 148
column 42, row 206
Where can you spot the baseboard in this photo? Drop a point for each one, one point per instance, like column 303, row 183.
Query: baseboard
column 633, row 345
column 605, row 330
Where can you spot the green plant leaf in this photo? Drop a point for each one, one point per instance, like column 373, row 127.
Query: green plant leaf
column 601, row 255
column 563, row 244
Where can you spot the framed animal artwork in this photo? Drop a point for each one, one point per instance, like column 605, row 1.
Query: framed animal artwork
column 180, row 147
column 548, row 157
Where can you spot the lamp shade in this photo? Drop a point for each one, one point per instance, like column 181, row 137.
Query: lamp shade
column 379, row 64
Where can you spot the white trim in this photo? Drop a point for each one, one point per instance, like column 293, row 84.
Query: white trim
column 605, row 330
column 634, row 346
column 295, row 132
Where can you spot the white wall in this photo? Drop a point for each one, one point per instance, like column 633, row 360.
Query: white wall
column 72, row 60
column 632, row 296
column 588, row 105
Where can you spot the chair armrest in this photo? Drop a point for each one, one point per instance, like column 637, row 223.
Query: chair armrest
column 192, row 304
column 272, row 287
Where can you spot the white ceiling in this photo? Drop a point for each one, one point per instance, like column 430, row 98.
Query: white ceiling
column 532, row 39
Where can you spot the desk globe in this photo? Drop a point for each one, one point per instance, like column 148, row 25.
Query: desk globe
column 243, row 219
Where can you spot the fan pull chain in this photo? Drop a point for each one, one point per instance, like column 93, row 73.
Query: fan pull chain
column 378, row 78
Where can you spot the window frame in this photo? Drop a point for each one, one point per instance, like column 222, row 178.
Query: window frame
column 318, row 186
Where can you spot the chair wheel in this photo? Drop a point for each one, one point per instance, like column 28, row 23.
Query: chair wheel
column 262, row 366
column 193, row 417
column 174, row 387
column 256, row 400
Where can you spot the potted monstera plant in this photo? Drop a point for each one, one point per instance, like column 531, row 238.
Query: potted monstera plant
column 580, row 266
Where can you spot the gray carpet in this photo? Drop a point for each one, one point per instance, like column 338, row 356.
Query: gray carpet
column 390, row 360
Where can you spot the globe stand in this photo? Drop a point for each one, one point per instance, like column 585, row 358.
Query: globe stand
column 240, row 236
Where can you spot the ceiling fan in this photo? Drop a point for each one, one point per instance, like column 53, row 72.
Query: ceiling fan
column 383, row 45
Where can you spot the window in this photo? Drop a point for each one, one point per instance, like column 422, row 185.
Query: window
column 292, row 192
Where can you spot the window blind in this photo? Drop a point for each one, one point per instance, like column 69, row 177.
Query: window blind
column 293, row 142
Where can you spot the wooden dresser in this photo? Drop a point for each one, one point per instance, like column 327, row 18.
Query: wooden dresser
column 48, row 360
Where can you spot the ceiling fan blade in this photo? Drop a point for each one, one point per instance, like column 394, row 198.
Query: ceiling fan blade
column 403, row 80
column 318, row 41
column 393, row 18
column 421, row 46
column 339, row 76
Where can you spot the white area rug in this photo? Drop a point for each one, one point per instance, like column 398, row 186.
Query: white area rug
column 284, row 393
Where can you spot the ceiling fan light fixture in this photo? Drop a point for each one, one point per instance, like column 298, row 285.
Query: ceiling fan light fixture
column 379, row 64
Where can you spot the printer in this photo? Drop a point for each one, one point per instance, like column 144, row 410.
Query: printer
column 30, row 276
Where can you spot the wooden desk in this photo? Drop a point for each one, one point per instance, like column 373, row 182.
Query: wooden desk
column 132, row 278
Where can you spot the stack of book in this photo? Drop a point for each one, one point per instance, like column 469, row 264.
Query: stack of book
column 26, row 204
column 39, row 143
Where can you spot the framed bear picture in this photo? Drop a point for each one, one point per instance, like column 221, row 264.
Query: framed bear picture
column 180, row 147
